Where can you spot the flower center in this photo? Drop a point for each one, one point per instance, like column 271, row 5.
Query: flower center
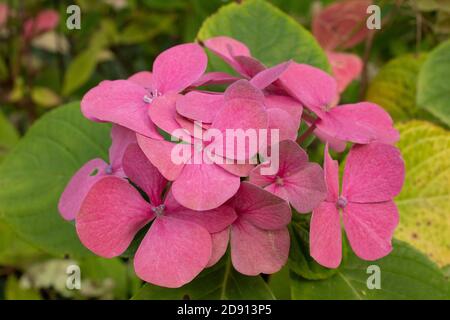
column 279, row 180
column 341, row 202
column 108, row 170
column 159, row 210
column 152, row 94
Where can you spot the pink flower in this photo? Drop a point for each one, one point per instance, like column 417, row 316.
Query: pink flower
column 373, row 176
column 346, row 68
column 210, row 182
column 177, row 246
column 259, row 238
column 46, row 20
column 94, row 170
column 4, row 12
column 127, row 102
column 297, row 181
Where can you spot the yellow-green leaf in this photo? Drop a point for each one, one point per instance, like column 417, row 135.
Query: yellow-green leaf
column 45, row 97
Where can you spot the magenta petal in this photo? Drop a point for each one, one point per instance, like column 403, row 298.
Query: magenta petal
column 373, row 173
column 314, row 88
column 121, row 138
column 204, row 186
column 260, row 207
column 160, row 155
column 291, row 106
column 359, row 123
column 369, row 228
column 111, row 215
column 173, row 252
column 227, row 48
column 140, row 171
column 200, row 106
column 214, row 220
column 121, row 102
column 243, row 89
column 212, row 78
column 255, row 251
column 178, row 67
column 268, row 76
column 346, row 68
column 143, row 78
column 78, row 187
column 282, row 121
column 331, row 173
column 325, row 236
column 219, row 246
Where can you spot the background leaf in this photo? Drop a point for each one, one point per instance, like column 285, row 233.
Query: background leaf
column 34, row 175
column 405, row 274
column 271, row 35
column 424, row 202
column 8, row 136
column 433, row 90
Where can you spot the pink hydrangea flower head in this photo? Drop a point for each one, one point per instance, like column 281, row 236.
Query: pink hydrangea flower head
column 94, row 170
column 177, row 246
column 346, row 68
column 127, row 102
column 297, row 181
column 259, row 238
column 46, row 20
column 373, row 176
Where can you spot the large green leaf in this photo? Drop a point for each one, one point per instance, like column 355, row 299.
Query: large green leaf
column 8, row 136
column 404, row 274
column 424, row 202
column 35, row 173
column 271, row 35
column 218, row 282
column 395, row 86
column 433, row 91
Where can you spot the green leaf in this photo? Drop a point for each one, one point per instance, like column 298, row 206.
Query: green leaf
column 271, row 35
column 15, row 291
column 44, row 97
column 395, row 86
column 404, row 274
column 80, row 69
column 433, row 91
column 218, row 282
column 8, row 136
column 36, row 172
column 431, row 5
column 280, row 284
column 300, row 260
column 424, row 202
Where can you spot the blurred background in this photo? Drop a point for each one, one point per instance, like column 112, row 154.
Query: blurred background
column 43, row 65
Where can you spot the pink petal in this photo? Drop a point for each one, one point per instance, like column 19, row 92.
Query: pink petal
column 314, row 88
column 261, row 208
column 306, row 188
column 140, row 171
column 249, row 66
column 255, row 251
column 143, row 78
column 111, row 215
column 212, row 78
column 373, row 173
column 219, row 246
column 159, row 153
column 268, row 76
column 243, row 89
column 282, row 121
column 214, row 220
column 121, row 138
column 325, row 236
column 196, row 129
column 46, row 20
column 240, row 170
column 227, row 48
column 291, row 106
column 370, row 227
column 359, row 123
column 120, row 102
column 335, row 144
column 4, row 13
column 278, row 190
column 178, row 67
column 342, row 24
column 346, row 68
column 331, row 173
column 201, row 106
column 163, row 114
column 78, row 187
column 204, row 186
column 173, row 252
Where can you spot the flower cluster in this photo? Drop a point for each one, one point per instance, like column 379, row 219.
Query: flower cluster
column 200, row 171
